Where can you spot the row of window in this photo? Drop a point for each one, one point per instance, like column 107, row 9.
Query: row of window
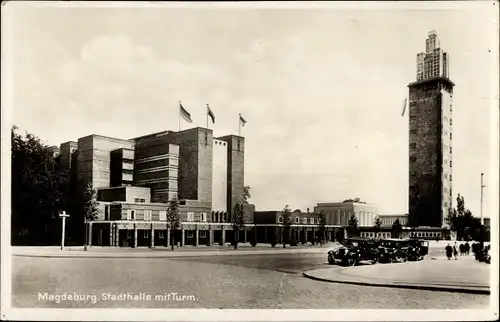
column 139, row 200
column 373, row 235
column 304, row 220
column 161, row 235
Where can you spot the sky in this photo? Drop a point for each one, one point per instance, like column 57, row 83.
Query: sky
column 322, row 89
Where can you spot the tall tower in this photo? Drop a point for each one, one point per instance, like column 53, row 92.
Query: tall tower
column 430, row 138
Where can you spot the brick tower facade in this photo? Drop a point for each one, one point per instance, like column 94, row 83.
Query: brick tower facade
column 430, row 148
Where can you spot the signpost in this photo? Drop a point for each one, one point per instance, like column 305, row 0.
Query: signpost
column 63, row 215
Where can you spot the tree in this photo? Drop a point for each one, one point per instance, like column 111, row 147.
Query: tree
column 238, row 222
column 246, row 194
column 287, row 223
column 173, row 219
column 357, row 200
column 37, row 191
column 352, row 225
column 376, row 225
column 322, row 225
column 90, row 209
column 397, row 228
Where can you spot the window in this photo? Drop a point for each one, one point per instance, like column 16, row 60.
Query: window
column 451, row 123
column 190, row 234
column 190, row 216
column 304, row 220
column 203, row 234
column 139, row 200
column 129, row 233
column 446, row 204
column 147, row 214
column 450, row 136
column 450, row 177
column 280, row 219
column 163, row 215
column 450, row 150
column 203, row 216
column 130, row 214
column 160, row 234
column 146, row 234
column 317, row 221
column 311, row 220
column 297, row 220
column 450, row 163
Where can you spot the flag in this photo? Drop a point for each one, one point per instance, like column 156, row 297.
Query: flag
column 211, row 114
column 404, row 107
column 242, row 121
column 185, row 114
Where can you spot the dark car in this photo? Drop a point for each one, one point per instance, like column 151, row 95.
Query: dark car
column 353, row 251
column 416, row 249
column 392, row 250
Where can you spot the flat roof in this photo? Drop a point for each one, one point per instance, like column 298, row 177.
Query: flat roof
column 432, row 80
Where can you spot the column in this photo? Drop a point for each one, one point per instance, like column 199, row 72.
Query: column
column 152, row 236
column 182, row 236
column 196, row 236
column 210, row 235
column 168, row 238
column 278, row 237
column 135, row 236
column 314, row 233
column 90, row 233
column 223, row 235
column 265, row 234
column 245, row 234
column 111, row 234
column 255, row 234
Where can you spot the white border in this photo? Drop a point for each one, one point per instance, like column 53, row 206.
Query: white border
column 242, row 315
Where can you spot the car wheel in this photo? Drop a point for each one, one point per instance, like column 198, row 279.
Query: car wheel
column 331, row 261
column 351, row 261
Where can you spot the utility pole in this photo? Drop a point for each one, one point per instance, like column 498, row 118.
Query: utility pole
column 482, row 186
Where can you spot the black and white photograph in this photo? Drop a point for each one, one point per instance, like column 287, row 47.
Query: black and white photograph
column 257, row 161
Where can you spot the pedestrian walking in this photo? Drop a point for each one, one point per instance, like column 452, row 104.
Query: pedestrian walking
column 467, row 249
column 462, row 249
column 455, row 251
column 449, row 251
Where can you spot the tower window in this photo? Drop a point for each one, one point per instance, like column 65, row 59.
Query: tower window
column 451, row 123
column 450, row 163
column 450, row 136
column 450, row 177
column 450, row 150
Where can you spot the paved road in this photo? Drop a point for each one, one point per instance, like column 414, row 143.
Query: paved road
column 257, row 281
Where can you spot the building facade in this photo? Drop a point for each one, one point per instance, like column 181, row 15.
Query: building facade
column 135, row 179
column 339, row 213
column 430, row 139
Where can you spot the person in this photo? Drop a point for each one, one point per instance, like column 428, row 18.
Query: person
column 462, row 249
column 449, row 251
column 467, row 248
column 455, row 251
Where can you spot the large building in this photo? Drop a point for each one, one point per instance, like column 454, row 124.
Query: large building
column 338, row 213
column 136, row 178
column 430, row 137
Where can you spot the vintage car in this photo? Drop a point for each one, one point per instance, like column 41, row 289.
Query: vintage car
column 353, row 251
column 392, row 250
column 416, row 249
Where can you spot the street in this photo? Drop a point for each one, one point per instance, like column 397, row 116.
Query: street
column 250, row 281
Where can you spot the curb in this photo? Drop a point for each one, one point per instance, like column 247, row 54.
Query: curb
column 158, row 255
column 405, row 286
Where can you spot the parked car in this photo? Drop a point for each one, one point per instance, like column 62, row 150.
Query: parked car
column 353, row 251
column 416, row 249
column 392, row 250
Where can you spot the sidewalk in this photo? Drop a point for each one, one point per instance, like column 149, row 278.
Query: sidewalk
column 464, row 275
column 164, row 252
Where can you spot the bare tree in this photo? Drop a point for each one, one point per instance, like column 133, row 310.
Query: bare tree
column 173, row 219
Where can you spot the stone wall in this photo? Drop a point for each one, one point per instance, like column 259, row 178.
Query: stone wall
column 235, row 170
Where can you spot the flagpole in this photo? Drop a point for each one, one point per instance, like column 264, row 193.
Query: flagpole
column 179, row 116
column 207, row 116
column 239, row 124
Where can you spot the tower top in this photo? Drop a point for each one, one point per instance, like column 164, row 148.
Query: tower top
column 432, row 33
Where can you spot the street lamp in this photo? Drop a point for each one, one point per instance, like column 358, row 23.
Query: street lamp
column 63, row 215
